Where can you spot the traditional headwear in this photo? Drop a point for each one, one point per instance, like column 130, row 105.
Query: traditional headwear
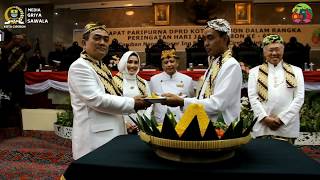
column 94, row 26
column 220, row 25
column 274, row 38
column 171, row 53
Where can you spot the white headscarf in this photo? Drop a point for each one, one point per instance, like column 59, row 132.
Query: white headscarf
column 123, row 67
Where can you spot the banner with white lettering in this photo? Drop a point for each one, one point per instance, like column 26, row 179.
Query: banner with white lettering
column 182, row 36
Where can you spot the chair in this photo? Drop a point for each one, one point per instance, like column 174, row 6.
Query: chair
column 115, row 48
column 248, row 53
column 153, row 54
column 296, row 53
column 197, row 54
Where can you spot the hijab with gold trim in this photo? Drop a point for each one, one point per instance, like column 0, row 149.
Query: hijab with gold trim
column 123, row 73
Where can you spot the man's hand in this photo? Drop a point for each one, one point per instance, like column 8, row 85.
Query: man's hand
column 172, row 100
column 273, row 122
column 132, row 128
column 139, row 103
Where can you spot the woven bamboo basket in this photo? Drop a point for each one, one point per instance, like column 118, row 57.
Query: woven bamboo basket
column 194, row 151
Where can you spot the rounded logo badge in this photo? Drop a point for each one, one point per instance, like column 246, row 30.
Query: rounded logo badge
column 14, row 15
column 302, row 13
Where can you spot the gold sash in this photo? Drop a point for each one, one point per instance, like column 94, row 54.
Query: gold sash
column 262, row 83
column 214, row 72
column 104, row 75
column 118, row 79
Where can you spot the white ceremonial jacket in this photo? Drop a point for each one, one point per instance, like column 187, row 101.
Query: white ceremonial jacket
column 282, row 101
column 179, row 84
column 97, row 115
column 226, row 93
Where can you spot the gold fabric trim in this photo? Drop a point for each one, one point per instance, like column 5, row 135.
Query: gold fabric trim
column 215, row 70
column 262, row 84
column 118, row 79
column 18, row 62
column 142, row 86
column 104, row 75
column 290, row 77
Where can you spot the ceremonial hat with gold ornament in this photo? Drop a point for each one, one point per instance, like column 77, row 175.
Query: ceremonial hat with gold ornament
column 94, row 26
column 166, row 54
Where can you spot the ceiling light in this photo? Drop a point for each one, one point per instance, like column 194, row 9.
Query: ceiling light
column 129, row 13
column 279, row 9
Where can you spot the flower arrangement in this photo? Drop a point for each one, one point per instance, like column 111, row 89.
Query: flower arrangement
column 246, row 113
column 65, row 118
column 310, row 114
column 64, row 123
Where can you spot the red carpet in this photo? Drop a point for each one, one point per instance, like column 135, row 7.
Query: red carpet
column 46, row 156
column 33, row 158
column 311, row 151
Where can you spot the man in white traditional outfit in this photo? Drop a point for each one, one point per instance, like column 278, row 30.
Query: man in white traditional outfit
column 170, row 81
column 221, row 89
column 96, row 101
column 276, row 93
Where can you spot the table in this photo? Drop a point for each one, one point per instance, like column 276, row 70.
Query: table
column 127, row 156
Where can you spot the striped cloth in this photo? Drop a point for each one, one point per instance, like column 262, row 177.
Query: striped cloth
column 262, row 84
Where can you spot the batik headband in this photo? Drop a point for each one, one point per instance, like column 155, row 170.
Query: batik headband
column 274, row 38
column 220, row 25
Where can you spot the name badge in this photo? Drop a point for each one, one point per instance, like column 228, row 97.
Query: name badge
column 180, row 85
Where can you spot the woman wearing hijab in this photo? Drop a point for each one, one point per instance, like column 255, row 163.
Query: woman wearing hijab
column 131, row 84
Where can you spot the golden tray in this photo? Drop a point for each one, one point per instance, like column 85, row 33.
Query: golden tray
column 194, row 151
